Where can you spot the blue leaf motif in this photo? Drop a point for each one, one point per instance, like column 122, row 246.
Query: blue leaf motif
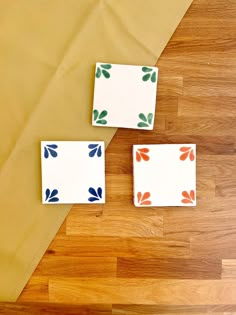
column 55, row 199
column 93, row 152
column 53, row 153
column 52, row 146
column 95, row 148
column 97, row 195
column 92, row 146
column 99, row 153
column 91, row 199
column 92, row 191
column 54, row 193
column 46, row 155
column 47, row 194
column 50, row 196
column 99, row 192
column 50, row 149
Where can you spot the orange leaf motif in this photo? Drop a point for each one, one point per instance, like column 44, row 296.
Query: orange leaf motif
column 143, row 199
column 141, row 154
column 186, row 201
column 184, row 149
column 138, row 157
column 191, row 156
column 144, row 150
column 139, row 195
column 188, row 197
column 185, row 194
column 188, row 152
column 192, row 194
column 184, row 156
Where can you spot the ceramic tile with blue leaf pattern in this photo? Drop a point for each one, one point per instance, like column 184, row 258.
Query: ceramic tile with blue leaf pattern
column 73, row 172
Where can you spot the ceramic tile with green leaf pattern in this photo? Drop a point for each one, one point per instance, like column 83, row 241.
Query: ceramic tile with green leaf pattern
column 124, row 96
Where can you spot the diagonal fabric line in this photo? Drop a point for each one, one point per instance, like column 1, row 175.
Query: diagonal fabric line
column 122, row 24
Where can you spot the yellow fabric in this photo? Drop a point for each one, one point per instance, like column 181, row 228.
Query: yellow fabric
column 48, row 50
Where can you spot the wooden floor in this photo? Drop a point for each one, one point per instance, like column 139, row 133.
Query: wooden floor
column 116, row 258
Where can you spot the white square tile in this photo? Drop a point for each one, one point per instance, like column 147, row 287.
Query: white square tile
column 164, row 175
column 124, row 96
column 73, row 172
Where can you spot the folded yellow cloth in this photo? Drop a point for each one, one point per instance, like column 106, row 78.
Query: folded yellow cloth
column 48, row 51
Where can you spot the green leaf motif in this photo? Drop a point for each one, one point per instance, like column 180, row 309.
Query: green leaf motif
column 142, row 117
column 150, row 116
column 101, row 122
column 106, row 74
column 146, row 120
column 142, row 124
column 95, row 114
column 150, row 74
column 146, row 76
column 98, row 118
column 106, row 66
column 146, row 69
column 103, row 114
column 154, row 77
column 98, row 73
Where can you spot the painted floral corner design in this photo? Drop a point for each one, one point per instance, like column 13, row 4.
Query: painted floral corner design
column 98, row 118
column 146, row 121
column 103, row 70
column 143, row 199
column 96, row 194
column 50, row 150
column 142, row 154
column 95, row 150
column 51, row 195
column 188, row 197
column 188, row 152
column 149, row 74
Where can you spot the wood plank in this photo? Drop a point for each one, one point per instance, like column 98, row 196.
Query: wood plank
column 216, row 9
column 169, row 268
column 215, row 244
column 167, row 105
column 205, row 126
column 226, row 187
column 211, row 106
column 211, row 64
column 225, row 28
column 188, row 45
column 35, row 290
column 176, row 226
column 225, row 166
column 77, row 266
column 207, row 208
column 205, row 187
column 142, row 291
column 115, row 226
column 169, row 86
column 119, row 247
column 229, row 269
column 206, row 166
column 135, row 309
column 53, row 309
column 209, row 86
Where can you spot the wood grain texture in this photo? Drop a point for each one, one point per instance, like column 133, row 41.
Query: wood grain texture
column 141, row 291
column 170, row 268
column 118, row 259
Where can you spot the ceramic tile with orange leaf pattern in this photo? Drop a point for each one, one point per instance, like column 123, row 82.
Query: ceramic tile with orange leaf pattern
column 164, row 175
